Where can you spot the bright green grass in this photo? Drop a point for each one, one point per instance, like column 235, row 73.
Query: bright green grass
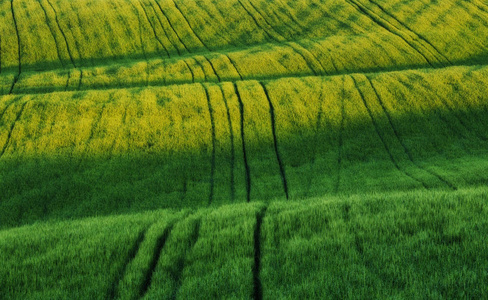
column 406, row 245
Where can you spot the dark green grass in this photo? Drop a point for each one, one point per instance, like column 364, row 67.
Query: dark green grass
column 404, row 245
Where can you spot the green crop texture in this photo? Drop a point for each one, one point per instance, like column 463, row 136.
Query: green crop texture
column 243, row 149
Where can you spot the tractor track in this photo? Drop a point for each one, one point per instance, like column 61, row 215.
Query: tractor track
column 214, row 140
column 275, row 140
column 243, row 138
column 378, row 133
column 397, row 136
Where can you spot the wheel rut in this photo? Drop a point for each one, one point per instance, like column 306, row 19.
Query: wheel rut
column 378, row 133
column 112, row 293
column 214, row 140
column 400, row 140
column 258, row 287
column 243, row 139
column 275, row 140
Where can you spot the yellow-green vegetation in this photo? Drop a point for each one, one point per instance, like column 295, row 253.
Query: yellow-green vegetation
column 231, row 115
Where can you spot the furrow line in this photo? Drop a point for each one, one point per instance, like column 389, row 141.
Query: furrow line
column 62, row 33
column 0, row 54
column 234, row 65
column 51, row 30
column 172, row 27
column 309, row 66
column 212, row 168
column 324, row 69
column 9, row 135
column 16, row 78
column 405, row 149
column 191, row 71
column 161, row 241
column 481, row 6
column 382, row 23
column 112, row 293
column 191, row 28
column 376, row 127
column 244, row 153
column 341, row 139
column 429, row 44
column 275, row 139
column 232, row 148
column 162, row 27
column 258, row 288
column 265, row 20
column 292, row 17
column 213, row 68
column 7, row 107
column 201, row 67
column 153, row 28
column 181, row 263
column 143, row 47
column 256, row 21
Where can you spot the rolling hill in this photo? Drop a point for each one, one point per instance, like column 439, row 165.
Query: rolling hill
column 243, row 149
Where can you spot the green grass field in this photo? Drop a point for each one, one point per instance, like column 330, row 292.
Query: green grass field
column 243, row 149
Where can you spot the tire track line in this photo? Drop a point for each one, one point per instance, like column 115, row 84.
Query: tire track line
column 153, row 28
column 256, row 22
column 177, row 278
column 112, row 293
column 16, row 78
column 62, row 33
column 201, row 67
column 385, row 145
column 143, row 47
column 244, row 153
column 232, row 148
column 397, row 136
column 51, row 30
column 160, row 242
column 12, row 127
column 213, row 68
column 275, row 140
column 385, row 25
column 303, row 52
column 258, row 287
column 188, row 23
column 234, row 65
column 162, row 27
column 172, row 27
column 280, row 37
column 190, row 69
column 433, row 49
column 212, row 169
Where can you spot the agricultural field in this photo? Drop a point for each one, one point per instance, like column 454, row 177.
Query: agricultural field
column 243, row 149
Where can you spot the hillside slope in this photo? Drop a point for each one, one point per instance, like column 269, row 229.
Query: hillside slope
column 243, row 149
